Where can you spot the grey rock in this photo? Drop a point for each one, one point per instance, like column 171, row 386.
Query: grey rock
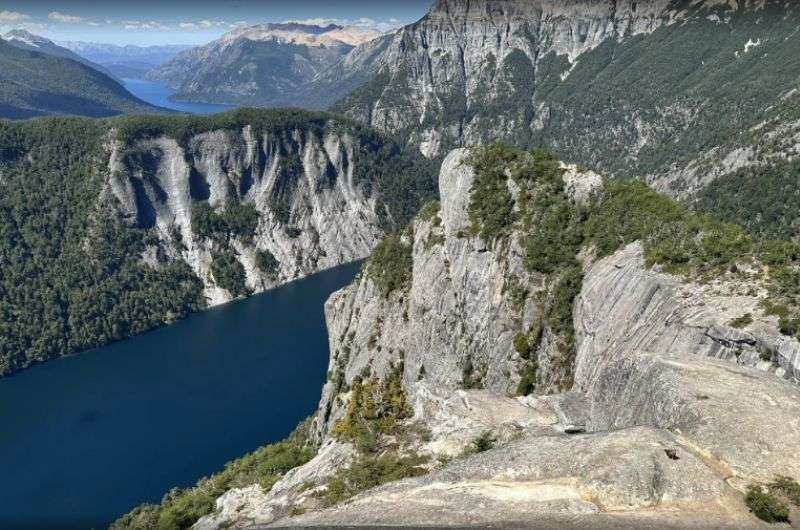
column 332, row 220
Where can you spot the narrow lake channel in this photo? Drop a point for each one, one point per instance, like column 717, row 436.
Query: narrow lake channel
column 86, row 438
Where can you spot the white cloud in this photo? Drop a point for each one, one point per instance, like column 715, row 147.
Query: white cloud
column 138, row 25
column 205, row 24
column 12, row 17
column 57, row 16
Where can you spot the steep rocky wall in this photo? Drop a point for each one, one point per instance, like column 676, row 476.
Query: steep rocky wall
column 604, row 84
column 312, row 215
column 455, row 325
column 673, row 412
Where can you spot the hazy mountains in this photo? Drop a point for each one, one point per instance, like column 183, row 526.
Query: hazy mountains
column 266, row 65
column 125, row 61
column 28, row 41
column 36, row 83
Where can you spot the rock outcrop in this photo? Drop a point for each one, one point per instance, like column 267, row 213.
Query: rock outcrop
column 672, row 414
column 313, row 209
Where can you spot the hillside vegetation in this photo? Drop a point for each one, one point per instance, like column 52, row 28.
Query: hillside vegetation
column 37, row 84
column 72, row 271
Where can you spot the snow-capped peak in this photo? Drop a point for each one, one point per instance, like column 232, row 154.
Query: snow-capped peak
column 302, row 34
column 25, row 37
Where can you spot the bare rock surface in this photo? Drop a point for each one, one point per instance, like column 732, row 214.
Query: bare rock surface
column 328, row 220
column 673, row 412
column 536, row 478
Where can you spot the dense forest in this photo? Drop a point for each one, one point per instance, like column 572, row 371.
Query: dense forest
column 72, row 272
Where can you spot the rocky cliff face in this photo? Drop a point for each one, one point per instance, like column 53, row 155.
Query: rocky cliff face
column 605, row 84
column 312, row 209
column 672, row 414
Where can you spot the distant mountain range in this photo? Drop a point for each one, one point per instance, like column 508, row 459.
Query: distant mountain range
column 265, row 65
column 125, row 61
column 26, row 40
column 39, row 78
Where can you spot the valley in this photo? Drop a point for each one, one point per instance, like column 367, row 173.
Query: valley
column 500, row 263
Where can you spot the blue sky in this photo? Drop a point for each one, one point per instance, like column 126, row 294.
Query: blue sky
column 145, row 22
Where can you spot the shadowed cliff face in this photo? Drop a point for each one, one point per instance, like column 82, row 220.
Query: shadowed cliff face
column 311, row 214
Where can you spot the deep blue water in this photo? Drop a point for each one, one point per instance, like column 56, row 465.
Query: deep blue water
column 86, row 438
column 157, row 94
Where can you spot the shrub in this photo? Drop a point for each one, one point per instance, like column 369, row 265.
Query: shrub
column 766, row 506
column 371, row 471
column 483, row 442
column 429, row 211
column 390, row 264
column 374, row 409
column 555, row 239
column 228, row 273
column 491, row 207
column 206, row 222
column 787, row 487
column 522, row 346
column 528, row 379
column 241, row 220
column 267, row 263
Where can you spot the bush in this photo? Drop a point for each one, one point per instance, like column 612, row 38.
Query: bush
column 787, row 487
column 206, row 222
column 742, row 321
column 528, row 379
column 483, row 442
column 267, row 263
column 390, row 264
column 766, row 506
column 522, row 346
column 491, row 207
column 555, row 239
column 369, row 472
column 229, row 274
column 374, row 409
column 239, row 220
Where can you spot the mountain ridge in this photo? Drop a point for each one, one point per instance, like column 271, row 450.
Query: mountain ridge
column 33, row 84
column 264, row 65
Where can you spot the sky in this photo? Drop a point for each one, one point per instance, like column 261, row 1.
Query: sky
column 149, row 22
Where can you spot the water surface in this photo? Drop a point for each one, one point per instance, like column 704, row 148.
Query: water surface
column 158, row 94
column 85, row 438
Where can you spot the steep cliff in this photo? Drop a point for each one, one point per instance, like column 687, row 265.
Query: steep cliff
column 683, row 93
column 139, row 221
column 661, row 412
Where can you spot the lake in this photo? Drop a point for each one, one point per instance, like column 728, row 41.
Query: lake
column 86, row 438
column 157, row 94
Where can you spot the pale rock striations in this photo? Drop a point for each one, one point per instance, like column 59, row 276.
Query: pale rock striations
column 673, row 411
column 329, row 219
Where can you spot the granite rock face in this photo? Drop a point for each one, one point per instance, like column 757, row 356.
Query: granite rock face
column 603, row 84
column 672, row 414
column 315, row 218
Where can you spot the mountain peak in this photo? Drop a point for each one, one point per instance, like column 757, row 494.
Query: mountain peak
column 26, row 37
column 303, row 34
